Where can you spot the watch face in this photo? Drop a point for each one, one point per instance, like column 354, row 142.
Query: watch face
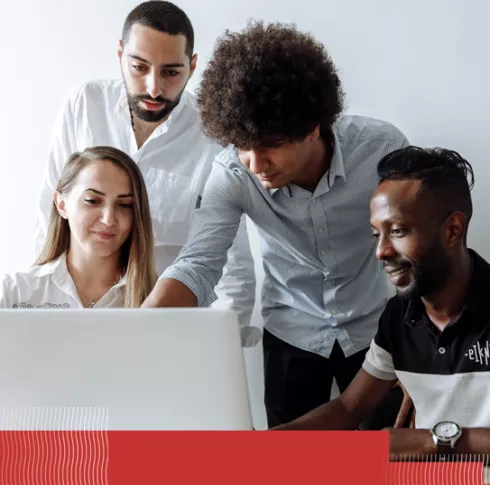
column 446, row 429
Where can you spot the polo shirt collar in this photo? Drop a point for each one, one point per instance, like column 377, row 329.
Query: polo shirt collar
column 416, row 315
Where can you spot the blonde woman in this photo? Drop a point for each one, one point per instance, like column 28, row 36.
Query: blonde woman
column 99, row 246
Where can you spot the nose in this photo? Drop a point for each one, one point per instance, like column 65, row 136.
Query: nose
column 384, row 249
column 257, row 162
column 108, row 216
column 154, row 85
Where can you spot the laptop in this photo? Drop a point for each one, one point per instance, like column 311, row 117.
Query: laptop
column 122, row 369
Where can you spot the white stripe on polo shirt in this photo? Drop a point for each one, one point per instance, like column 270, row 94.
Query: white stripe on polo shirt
column 447, row 374
column 462, row 398
column 378, row 362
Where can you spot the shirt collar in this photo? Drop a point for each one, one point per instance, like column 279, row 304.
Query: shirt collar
column 286, row 189
column 121, row 282
column 61, row 277
column 416, row 314
column 478, row 289
column 56, row 267
column 59, row 273
column 336, row 169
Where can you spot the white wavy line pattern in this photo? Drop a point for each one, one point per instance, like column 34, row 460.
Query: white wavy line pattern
column 54, row 445
column 465, row 470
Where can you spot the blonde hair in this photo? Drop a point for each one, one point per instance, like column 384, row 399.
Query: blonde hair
column 137, row 252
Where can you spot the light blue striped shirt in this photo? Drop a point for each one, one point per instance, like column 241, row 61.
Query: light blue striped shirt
column 322, row 280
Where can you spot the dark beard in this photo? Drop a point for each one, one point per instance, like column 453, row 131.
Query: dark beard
column 152, row 116
column 430, row 273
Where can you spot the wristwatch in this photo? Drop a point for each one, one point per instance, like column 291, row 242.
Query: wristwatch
column 445, row 434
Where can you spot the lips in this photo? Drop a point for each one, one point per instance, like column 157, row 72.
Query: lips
column 152, row 106
column 106, row 236
column 267, row 178
column 392, row 266
column 396, row 274
column 398, row 271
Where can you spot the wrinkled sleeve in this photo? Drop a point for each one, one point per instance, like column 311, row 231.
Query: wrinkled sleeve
column 5, row 292
column 236, row 288
column 399, row 140
column 62, row 145
column 213, row 229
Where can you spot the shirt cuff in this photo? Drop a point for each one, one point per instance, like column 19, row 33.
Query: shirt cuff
column 204, row 296
column 250, row 335
column 374, row 371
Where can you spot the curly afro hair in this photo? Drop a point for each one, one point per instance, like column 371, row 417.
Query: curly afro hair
column 268, row 85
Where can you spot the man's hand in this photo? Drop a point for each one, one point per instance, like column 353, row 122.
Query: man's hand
column 407, row 443
column 406, row 409
column 170, row 293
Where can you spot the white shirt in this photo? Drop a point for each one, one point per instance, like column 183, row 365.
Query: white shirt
column 175, row 162
column 51, row 286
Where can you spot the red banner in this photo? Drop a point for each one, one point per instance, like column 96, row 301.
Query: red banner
column 231, row 458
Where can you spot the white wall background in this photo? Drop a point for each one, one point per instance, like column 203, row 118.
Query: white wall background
column 423, row 65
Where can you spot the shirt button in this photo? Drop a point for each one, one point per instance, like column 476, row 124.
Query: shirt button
column 321, row 230
column 335, row 312
column 442, row 350
column 323, row 252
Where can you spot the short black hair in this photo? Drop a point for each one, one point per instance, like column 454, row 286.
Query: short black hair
column 267, row 85
column 164, row 17
column 444, row 172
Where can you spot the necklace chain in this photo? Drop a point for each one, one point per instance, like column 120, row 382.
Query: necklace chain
column 132, row 118
column 91, row 303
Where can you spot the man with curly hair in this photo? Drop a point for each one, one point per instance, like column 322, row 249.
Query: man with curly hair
column 305, row 176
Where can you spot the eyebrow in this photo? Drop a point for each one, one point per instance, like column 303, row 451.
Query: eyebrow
column 397, row 219
column 173, row 65
column 392, row 220
column 98, row 192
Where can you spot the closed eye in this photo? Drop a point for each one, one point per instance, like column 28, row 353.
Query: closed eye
column 398, row 232
column 126, row 206
column 139, row 68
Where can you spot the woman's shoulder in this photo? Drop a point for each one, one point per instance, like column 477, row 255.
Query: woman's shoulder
column 32, row 274
column 29, row 289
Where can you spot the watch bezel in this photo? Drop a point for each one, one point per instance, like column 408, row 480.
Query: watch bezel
column 442, row 440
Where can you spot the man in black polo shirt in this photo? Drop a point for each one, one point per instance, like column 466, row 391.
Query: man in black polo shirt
column 434, row 336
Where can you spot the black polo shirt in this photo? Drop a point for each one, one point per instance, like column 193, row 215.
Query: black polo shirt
column 446, row 374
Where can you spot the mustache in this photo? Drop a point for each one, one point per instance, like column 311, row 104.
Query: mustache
column 396, row 264
column 158, row 99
